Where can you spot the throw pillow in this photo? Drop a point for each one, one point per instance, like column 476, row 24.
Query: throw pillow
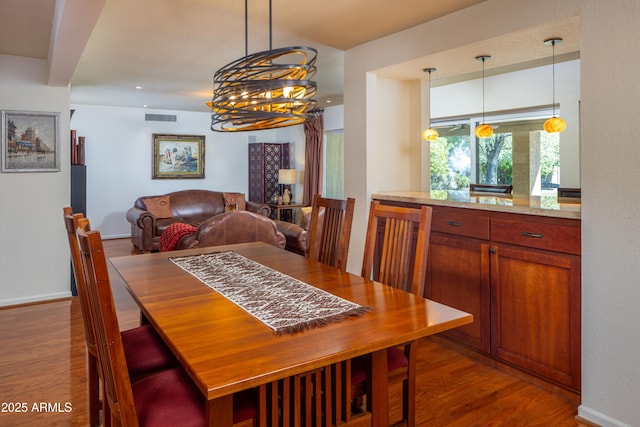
column 160, row 207
column 233, row 201
column 305, row 216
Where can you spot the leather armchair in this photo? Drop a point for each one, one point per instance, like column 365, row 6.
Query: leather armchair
column 234, row 227
column 296, row 235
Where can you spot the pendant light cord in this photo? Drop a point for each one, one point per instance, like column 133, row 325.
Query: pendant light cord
column 246, row 28
column 483, row 59
column 553, row 74
column 429, row 98
column 270, row 27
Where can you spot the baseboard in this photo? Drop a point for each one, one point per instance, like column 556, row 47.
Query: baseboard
column 595, row 418
column 34, row 299
column 116, row 236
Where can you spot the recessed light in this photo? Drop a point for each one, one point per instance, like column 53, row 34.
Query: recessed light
column 139, row 87
column 145, row 105
column 328, row 101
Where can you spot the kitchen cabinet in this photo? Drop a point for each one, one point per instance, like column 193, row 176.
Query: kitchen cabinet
column 458, row 270
column 535, row 311
column 519, row 275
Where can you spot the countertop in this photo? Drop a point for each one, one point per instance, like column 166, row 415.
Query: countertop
column 550, row 206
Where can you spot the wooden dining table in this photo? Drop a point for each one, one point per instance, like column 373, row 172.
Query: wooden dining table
column 226, row 350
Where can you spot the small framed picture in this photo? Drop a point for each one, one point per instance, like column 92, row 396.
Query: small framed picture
column 178, row 156
column 30, row 141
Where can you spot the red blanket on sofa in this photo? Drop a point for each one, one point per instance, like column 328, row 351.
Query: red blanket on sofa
column 172, row 235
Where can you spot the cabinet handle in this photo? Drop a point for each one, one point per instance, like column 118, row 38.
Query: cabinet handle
column 534, row 235
column 454, row 223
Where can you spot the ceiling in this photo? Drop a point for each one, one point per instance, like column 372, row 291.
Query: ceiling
column 171, row 48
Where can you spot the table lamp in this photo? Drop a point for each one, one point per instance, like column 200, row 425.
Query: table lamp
column 287, row 177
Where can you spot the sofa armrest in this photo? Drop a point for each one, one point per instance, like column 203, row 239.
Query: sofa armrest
column 187, row 242
column 139, row 217
column 259, row 208
column 295, row 235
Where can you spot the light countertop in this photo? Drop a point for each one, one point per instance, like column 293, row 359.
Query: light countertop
column 550, row 206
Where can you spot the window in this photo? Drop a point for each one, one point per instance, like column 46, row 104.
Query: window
column 520, row 153
column 333, row 184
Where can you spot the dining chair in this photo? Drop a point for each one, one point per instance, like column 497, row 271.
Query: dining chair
column 395, row 253
column 164, row 398
column 145, row 351
column 330, row 231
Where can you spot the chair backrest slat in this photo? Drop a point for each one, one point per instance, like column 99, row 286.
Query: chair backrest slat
column 71, row 221
column 330, row 231
column 110, row 349
column 396, row 255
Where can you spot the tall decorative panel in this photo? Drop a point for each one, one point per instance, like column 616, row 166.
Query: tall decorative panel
column 265, row 160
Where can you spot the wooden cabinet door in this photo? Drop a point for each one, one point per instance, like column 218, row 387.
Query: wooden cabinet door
column 535, row 311
column 458, row 276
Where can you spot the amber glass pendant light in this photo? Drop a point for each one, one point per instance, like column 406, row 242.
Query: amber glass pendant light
column 429, row 134
column 483, row 130
column 555, row 124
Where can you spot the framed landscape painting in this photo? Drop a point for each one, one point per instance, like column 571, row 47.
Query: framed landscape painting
column 30, row 141
column 178, row 156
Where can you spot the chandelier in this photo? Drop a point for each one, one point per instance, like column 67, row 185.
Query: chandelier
column 264, row 90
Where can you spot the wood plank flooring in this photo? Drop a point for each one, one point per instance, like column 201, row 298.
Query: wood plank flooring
column 43, row 374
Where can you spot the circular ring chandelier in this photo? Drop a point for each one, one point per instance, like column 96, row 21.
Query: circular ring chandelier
column 264, row 90
column 257, row 92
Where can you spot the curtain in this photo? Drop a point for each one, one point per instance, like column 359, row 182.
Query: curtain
column 314, row 132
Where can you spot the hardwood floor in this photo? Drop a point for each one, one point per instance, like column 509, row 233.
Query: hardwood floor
column 43, row 374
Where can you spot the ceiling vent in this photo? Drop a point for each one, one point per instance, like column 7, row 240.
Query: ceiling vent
column 161, row 117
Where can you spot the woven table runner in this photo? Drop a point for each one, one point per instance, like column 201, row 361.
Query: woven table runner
column 279, row 301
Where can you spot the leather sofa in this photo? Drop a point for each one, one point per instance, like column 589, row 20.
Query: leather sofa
column 234, row 227
column 151, row 215
column 296, row 235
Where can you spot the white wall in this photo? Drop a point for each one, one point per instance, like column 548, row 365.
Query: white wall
column 610, row 176
column 35, row 263
column 119, row 161
column 610, row 212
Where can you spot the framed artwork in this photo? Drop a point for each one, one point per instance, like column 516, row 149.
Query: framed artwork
column 30, row 141
column 178, row 156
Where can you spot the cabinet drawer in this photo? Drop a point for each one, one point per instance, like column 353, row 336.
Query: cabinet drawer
column 540, row 235
column 461, row 222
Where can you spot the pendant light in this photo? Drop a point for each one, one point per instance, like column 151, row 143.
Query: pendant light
column 483, row 130
column 429, row 134
column 554, row 124
column 264, row 90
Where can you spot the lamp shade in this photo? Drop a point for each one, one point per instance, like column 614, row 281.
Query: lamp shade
column 430, row 134
column 287, row 176
column 484, row 131
column 555, row 124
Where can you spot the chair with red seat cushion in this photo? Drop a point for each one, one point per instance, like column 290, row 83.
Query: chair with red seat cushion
column 144, row 349
column 393, row 235
column 164, row 398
